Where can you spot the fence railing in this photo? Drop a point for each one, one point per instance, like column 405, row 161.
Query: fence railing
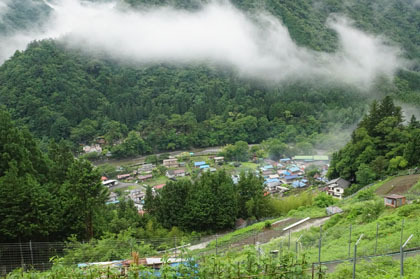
column 325, row 248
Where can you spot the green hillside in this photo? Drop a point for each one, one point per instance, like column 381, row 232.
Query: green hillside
column 63, row 94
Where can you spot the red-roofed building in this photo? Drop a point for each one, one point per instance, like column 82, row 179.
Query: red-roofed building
column 160, row 186
column 104, row 178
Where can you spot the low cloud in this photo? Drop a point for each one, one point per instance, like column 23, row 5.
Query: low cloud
column 257, row 47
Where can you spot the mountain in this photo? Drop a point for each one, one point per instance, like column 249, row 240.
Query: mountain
column 68, row 93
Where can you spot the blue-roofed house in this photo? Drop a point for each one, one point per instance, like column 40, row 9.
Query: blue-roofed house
column 199, row 164
column 271, row 180
column 285, row 160
column 205, row 166
column 290, row 178
column 268, row 167
column 298, row 184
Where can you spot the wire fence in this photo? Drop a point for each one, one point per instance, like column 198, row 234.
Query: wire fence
column 329, row 248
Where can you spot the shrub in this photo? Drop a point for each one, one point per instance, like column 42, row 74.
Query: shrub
column 267, row 225
column 365, row 195
column 323, row 200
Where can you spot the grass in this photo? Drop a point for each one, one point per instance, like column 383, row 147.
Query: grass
column 358, row 214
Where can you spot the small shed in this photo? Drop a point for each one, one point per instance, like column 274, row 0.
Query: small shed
column 331, row 210
column 394, row 200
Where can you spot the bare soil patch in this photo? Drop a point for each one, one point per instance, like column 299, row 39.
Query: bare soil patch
column 399, row 185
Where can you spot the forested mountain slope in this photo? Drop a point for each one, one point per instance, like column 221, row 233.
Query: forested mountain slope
column 61, row 93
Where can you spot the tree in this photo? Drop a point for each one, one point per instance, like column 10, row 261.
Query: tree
column 150, row 203
column 276, row 149
column 82, row 190
column 237, row 152
column 251, row 201
column 133, row 145
column 365, row 175
column 172, row 203
column 397, row 163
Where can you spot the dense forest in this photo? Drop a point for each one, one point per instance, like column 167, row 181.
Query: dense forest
column 67, row 94
column 381, row 145
column 51, row 196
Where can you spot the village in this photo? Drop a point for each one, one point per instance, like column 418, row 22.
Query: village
column 286, row 176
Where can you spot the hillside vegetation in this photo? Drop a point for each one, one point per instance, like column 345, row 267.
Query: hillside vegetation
column 64, row 94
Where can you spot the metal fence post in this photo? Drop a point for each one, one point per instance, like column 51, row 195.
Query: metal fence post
column 350, row 242
column 376, row 243
column 22, row 262
column 175, row 245
column 289, row 239
column 216, row 244
column 402, row 255
column 297, row 242
column 355, row 256
column 320, row 245
column 402, row 232
column 30, row 249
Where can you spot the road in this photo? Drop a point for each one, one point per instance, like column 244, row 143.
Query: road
column 140, row 159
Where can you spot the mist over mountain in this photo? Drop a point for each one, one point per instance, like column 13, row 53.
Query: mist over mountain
column 257, row 45
column 143, row 64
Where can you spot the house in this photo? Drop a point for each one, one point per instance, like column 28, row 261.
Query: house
column 273, row 176
column 283, row 173
column 310, row 158
column 268, row 172
column 92, row 148
column 337, row 186
column 290, row 178
column 109, row 183
column 160, row 186
column 209, row 169
column 113, row 198
column 219, row 160
column 298, row 184
column 145, row 177
column 272, row 184
column 205, row 166
column 175, row 173
column 394, row 200
column 285, row 160
column 278, row 190
column 123, row 176
column 136, row 196
column 171, row 163
column 146, row 167
column 294, row 170
column 199, row 164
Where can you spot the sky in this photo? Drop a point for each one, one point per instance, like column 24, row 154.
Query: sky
column 259, row 47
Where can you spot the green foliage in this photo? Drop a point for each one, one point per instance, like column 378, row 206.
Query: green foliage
column 40, row 192
column 237, row 152
column 168, row 107
column 210, row 203
column 323, row 200
column 365, row 195
column 379, row 145
column 285, row 205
